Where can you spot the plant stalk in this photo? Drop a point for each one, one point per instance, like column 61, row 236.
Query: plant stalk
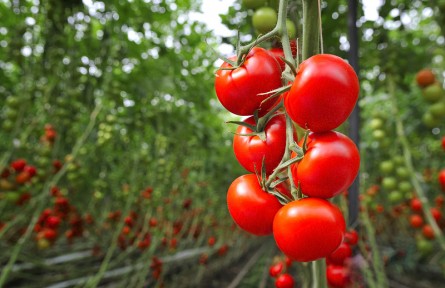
column 311, row 29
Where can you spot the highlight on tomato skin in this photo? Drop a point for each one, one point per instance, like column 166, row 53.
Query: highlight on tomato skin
column 324, row 93
column 309, row 229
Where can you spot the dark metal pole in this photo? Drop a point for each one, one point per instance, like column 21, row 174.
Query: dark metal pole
column 354, row 119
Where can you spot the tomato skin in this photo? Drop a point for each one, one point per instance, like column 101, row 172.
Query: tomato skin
column 323, row 94
column 425, row 77
column 278, row 53
column 250, row 150
column 251, row 207
column 308, row 229
column 338, row 276
column 339, row 256
column 351, row 237
column 329, row 166
column 416, row 221
column 416, row 205
column 276, row 269
column 442, row 179
column 238, row 89
column 284, row 281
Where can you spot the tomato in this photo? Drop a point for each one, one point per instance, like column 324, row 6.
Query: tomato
column 443, row 142
column 339, row 256
column 351, row 237
column 276, row 269
column 439, row 201
column 442, row 179
column 18, row 165
column 429, row 120
column 284, row 281
column 433, row 93
column 323, row 94
column 238, row 89
column 389, row 183
column 386, row 166
column 428, row 231
column 376, row 123
column 437, row 109
column 264, row 19
column 416, row 221
column 437, row 215
column 424, row 246
column 402, row 172
column 278, row 53
column 250, row 150
column 338, row 276
column 291, row 29
column 308, row 229
column 329, row 166
column 425, row 77
column 416, row 205
column 253, row 4
column 251, row 207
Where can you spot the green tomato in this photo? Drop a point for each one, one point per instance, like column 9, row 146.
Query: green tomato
column 433, row 93
column 264, row 19
column 405, row 186
column 402, row 172
column 429, row 120
column 386, row 167
column 378, row 134
column 291, row 29
column 438, row 110
column 253, row 4
column 376, row 123
column 395, row 196
column 398, row 160
column 389, row 183
column 13, row 101
column 424, row 246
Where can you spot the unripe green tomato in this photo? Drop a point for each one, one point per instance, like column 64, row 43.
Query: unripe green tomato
column 424, row 246
column 402, row 172
column 395, row 196
column 12, row 101
column 378, row 134
column 405, row 186
column 253, row 4
column 389, row 183
column 437, row 110
column 386, row 166
column 376, row 123
column 8, row 125
column 429, row 120
column 264, row 19
column 433, row 93
column 11, row 114
column 291, row 29
column 398, row 159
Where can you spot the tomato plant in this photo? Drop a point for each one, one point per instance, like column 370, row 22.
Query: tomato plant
column 308, row 229
column 323, row 94
column 239, row 89
column 268, row 144
column 329, row 166
column 252, row 208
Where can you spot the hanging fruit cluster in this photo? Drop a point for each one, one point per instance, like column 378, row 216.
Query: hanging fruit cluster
column 434, row 94
column 290, row 180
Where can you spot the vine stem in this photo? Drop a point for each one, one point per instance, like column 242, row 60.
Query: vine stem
column 418, row 190
column 319, row 274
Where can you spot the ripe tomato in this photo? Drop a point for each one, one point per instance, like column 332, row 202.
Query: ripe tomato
column 437, row 215
column 251, row 207
column 276, row 269
column 308, row 229
column 442, row 179
column 329, row 166
column 416, row 205
column 264, row 19
column 323, row 94
column 425, row 77
column 339, row 256
column 238, row 89
column 351, row 237
column 443, row 142
column 250, row 150
column 278, row 53
column 284, row 281
column 428, row 231
column 416, row 221
column 338, row 276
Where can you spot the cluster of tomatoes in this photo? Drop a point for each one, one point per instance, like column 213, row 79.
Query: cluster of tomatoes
column 278, row 270
column 434, row 94
column 285, row 193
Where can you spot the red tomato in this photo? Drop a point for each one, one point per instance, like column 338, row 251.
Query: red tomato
column 437, row 215
column 276, row 269
column 284, row 281
column 416, row 205
column 323, row 94
column 238, row 89
column 329, row 166
column 416, row 221
column 278, row 53
column 18, row 164
column 428, row 231
column 443, row 142
column 250, row 150
column 351, row 237
column 251, row 207
column 338, row 276
column 442, row 179
column 308, row 229
column 339, row 256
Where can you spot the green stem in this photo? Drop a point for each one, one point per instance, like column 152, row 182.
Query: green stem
column 418, row 190
column 319, row 279
column 310, row 29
